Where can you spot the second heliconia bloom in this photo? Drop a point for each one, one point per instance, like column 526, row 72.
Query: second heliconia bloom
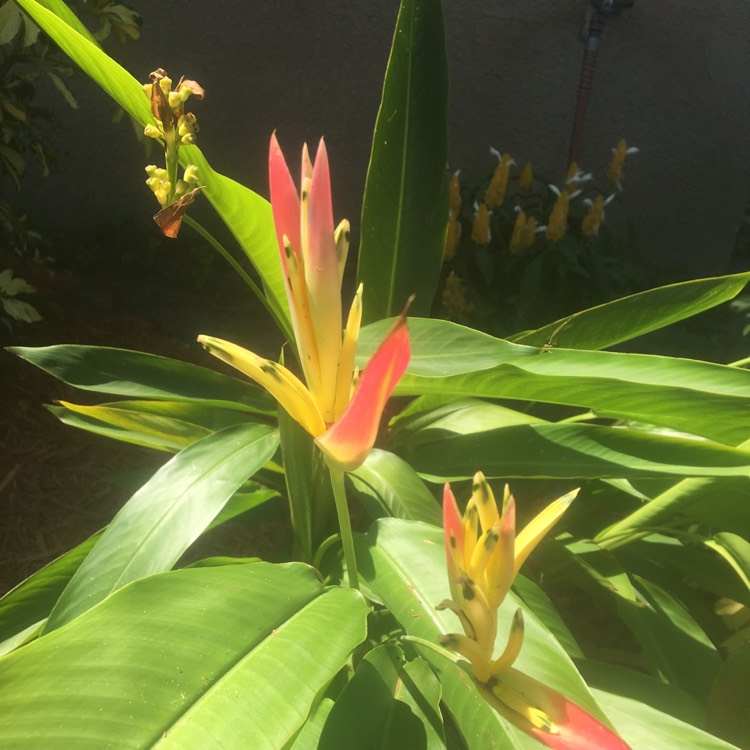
column 483, row 555
column 336, row 405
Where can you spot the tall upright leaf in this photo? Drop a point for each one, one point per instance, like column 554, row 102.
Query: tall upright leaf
column 405, row 209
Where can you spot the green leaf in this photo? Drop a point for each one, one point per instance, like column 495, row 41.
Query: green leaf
column 240, row 503
column 309, row 735
column 405, row 210
column 166, row 515
column 403, row 563
column 122, row 372
column 388, row 486
column 30, row 603
column 452, row 442
column 629, row 317
column 383, row 705
column 718, row 501
column 729, row 702
column 736, row 551
column 675, row 645
column 689, row 396
column 196, row 659
column 539, row 603
column 246, row 214
column 641, row 687
column 646, row 728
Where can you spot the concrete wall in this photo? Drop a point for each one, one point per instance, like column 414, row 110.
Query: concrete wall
column 673, row 77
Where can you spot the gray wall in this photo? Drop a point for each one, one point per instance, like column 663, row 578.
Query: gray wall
column 673, row 77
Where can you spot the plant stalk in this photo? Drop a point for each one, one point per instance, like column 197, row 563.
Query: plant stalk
column 345, row 526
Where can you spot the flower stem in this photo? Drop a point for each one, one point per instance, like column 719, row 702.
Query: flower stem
column 345, row 526
column 229, row 258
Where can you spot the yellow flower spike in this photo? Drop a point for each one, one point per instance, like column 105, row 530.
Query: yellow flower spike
column 471, row 532
column 480, row 230
column 482, row 553
column 529, row 234
column 341, row 238
column 495, row 194
column 615, row 169
column 518, row 236
column 452, row 237
column 283, row 385
column 515, row 640
column 558, row 218
column 454, row 193
column 346, row 359
column 526, row 179
column 484, row 499
column 537, row 528
column 593, row 219
column 501, row 568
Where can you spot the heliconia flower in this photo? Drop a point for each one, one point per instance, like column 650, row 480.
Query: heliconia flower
column 526, row 178
column 495, row 193
column 343, row 416
column 480, row 229
column 615, row 169
column 483, row 556
column 558, row 218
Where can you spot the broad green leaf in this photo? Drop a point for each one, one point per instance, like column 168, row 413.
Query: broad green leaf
column 627, row 318
column 736, row 551
column 453, row 443
column 646, row 728
column 30, row 603
column 688, row 396
column 246, row 214
column 309, row 736
column 196, row 659
column 603, row 567
column 122, row 372
column 129, row 426
column 721, row 502
column 641, row 687
column 405, row 210
column 388, row 486
column 166, row 515
column 383, row 706
column 539, row 603
column 729, row 702
column 242, row 502
column 675, row 645
column 61, row 10
column 403, row 562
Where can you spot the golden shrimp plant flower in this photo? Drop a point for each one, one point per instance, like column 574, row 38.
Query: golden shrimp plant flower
column 483, row 557
column 342, row 416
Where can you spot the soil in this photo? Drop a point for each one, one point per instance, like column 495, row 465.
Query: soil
column 58, row 484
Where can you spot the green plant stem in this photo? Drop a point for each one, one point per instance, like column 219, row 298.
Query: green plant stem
column 740, row 362
column 256, row 290
column 345, row 525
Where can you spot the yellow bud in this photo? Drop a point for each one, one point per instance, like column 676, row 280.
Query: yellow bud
column 452, row 236
column 495, row 194
column 148, row 88
column 188, row 139
column 619, row 152
column 174, row 99
column 165, row 84
column 151, row 131
column 527, row 177
column 454, row 194
column 191, row 174
column 185, row 93
column 519, row 233
column 480, row 231
column 593, row 219
column 558, row 218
